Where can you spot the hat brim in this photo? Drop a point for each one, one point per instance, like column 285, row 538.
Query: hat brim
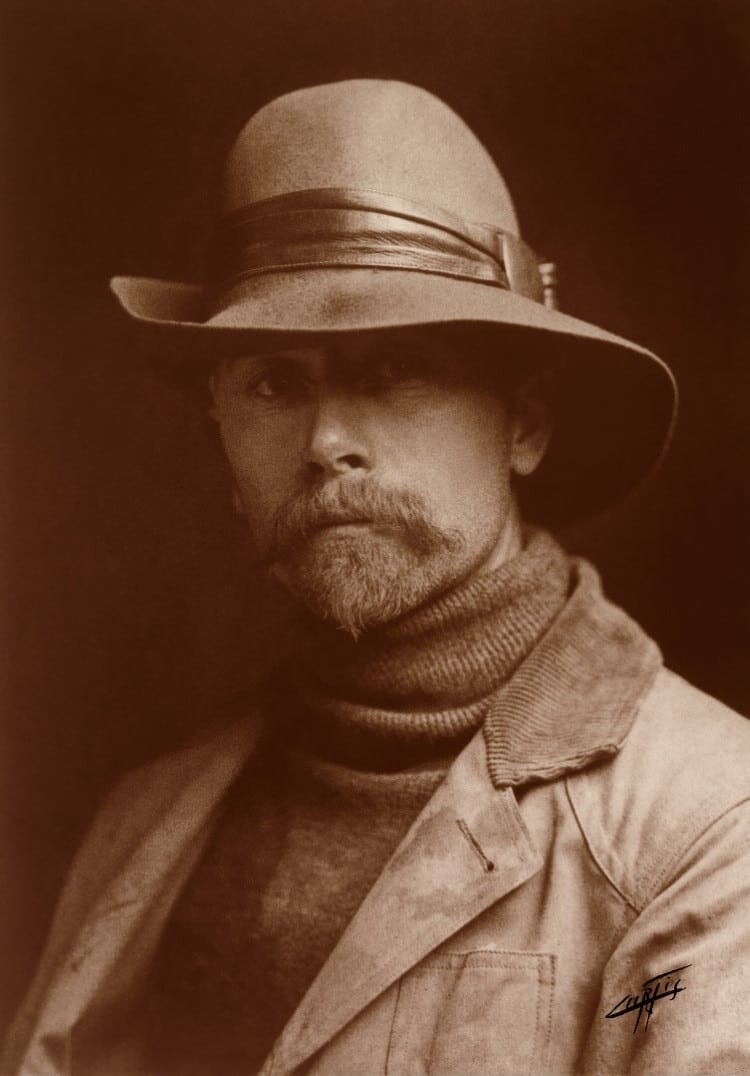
column 616, row 400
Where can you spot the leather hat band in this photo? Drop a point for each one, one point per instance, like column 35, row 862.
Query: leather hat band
column 334, row 227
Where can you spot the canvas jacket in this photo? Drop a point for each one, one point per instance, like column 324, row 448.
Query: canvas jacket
column 600, row 840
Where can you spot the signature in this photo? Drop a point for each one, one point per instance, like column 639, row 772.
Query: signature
column 654, row 989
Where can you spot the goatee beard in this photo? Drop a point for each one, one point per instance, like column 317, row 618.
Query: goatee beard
column 366, row 577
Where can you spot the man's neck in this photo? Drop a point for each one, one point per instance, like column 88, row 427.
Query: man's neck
column 509, row 544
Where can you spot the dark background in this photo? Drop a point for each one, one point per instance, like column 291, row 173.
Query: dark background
column 129, row 611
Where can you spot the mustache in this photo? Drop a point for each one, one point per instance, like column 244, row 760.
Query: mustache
column 358, row 502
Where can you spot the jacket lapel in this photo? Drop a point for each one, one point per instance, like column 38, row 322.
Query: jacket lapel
column 465, row 851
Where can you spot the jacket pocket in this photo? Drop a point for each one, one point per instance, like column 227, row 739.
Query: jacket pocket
column 483, row 1013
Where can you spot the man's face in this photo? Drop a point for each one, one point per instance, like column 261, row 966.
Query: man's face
column 374, row 472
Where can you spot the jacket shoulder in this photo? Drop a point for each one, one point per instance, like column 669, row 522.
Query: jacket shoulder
column 130, row 809
column 184, row 783
column 147, row 792
column 684, row 766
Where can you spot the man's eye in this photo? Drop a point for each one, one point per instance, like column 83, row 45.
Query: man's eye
column 397, row 371
column 275, row 385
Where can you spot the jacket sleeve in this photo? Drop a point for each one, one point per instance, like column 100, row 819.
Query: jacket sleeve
column 699, row 917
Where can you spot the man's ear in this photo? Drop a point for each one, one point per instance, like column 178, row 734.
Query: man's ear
column 237, row 505
column 213, row 385
column 531, row 425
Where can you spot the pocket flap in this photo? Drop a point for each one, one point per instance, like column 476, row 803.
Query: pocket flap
column 472, row 1014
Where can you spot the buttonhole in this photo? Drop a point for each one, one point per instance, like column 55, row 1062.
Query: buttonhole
column 487, row 865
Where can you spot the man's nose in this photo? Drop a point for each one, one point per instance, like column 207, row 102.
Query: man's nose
column 337, row 442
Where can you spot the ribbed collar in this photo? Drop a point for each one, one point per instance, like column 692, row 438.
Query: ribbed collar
column 574, row 699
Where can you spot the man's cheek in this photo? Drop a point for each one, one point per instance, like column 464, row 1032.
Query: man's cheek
column 257, row 509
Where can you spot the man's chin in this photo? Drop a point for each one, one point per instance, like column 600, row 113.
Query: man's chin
column 359, row 577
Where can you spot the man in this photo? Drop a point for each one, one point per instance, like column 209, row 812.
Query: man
column 471, row 824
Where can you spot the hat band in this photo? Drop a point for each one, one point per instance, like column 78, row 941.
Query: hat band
column 339, row 227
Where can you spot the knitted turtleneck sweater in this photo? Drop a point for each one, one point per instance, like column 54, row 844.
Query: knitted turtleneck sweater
column 360, row 734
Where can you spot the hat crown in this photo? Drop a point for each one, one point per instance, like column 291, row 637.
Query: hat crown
column 367, row 134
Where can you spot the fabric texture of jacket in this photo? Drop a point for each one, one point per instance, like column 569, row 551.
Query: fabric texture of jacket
column 602, row 842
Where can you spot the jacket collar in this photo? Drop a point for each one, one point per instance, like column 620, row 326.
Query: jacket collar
column 574, row 699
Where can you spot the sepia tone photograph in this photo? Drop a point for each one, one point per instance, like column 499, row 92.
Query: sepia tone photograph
column 375, row 527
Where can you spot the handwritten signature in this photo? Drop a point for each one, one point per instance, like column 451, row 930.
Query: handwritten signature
column 653, row 991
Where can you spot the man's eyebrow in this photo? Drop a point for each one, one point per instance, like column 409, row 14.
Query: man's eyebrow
column 274, row 356
column 264, row 358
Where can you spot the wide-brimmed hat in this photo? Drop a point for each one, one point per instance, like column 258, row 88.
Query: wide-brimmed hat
column 369, row 205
